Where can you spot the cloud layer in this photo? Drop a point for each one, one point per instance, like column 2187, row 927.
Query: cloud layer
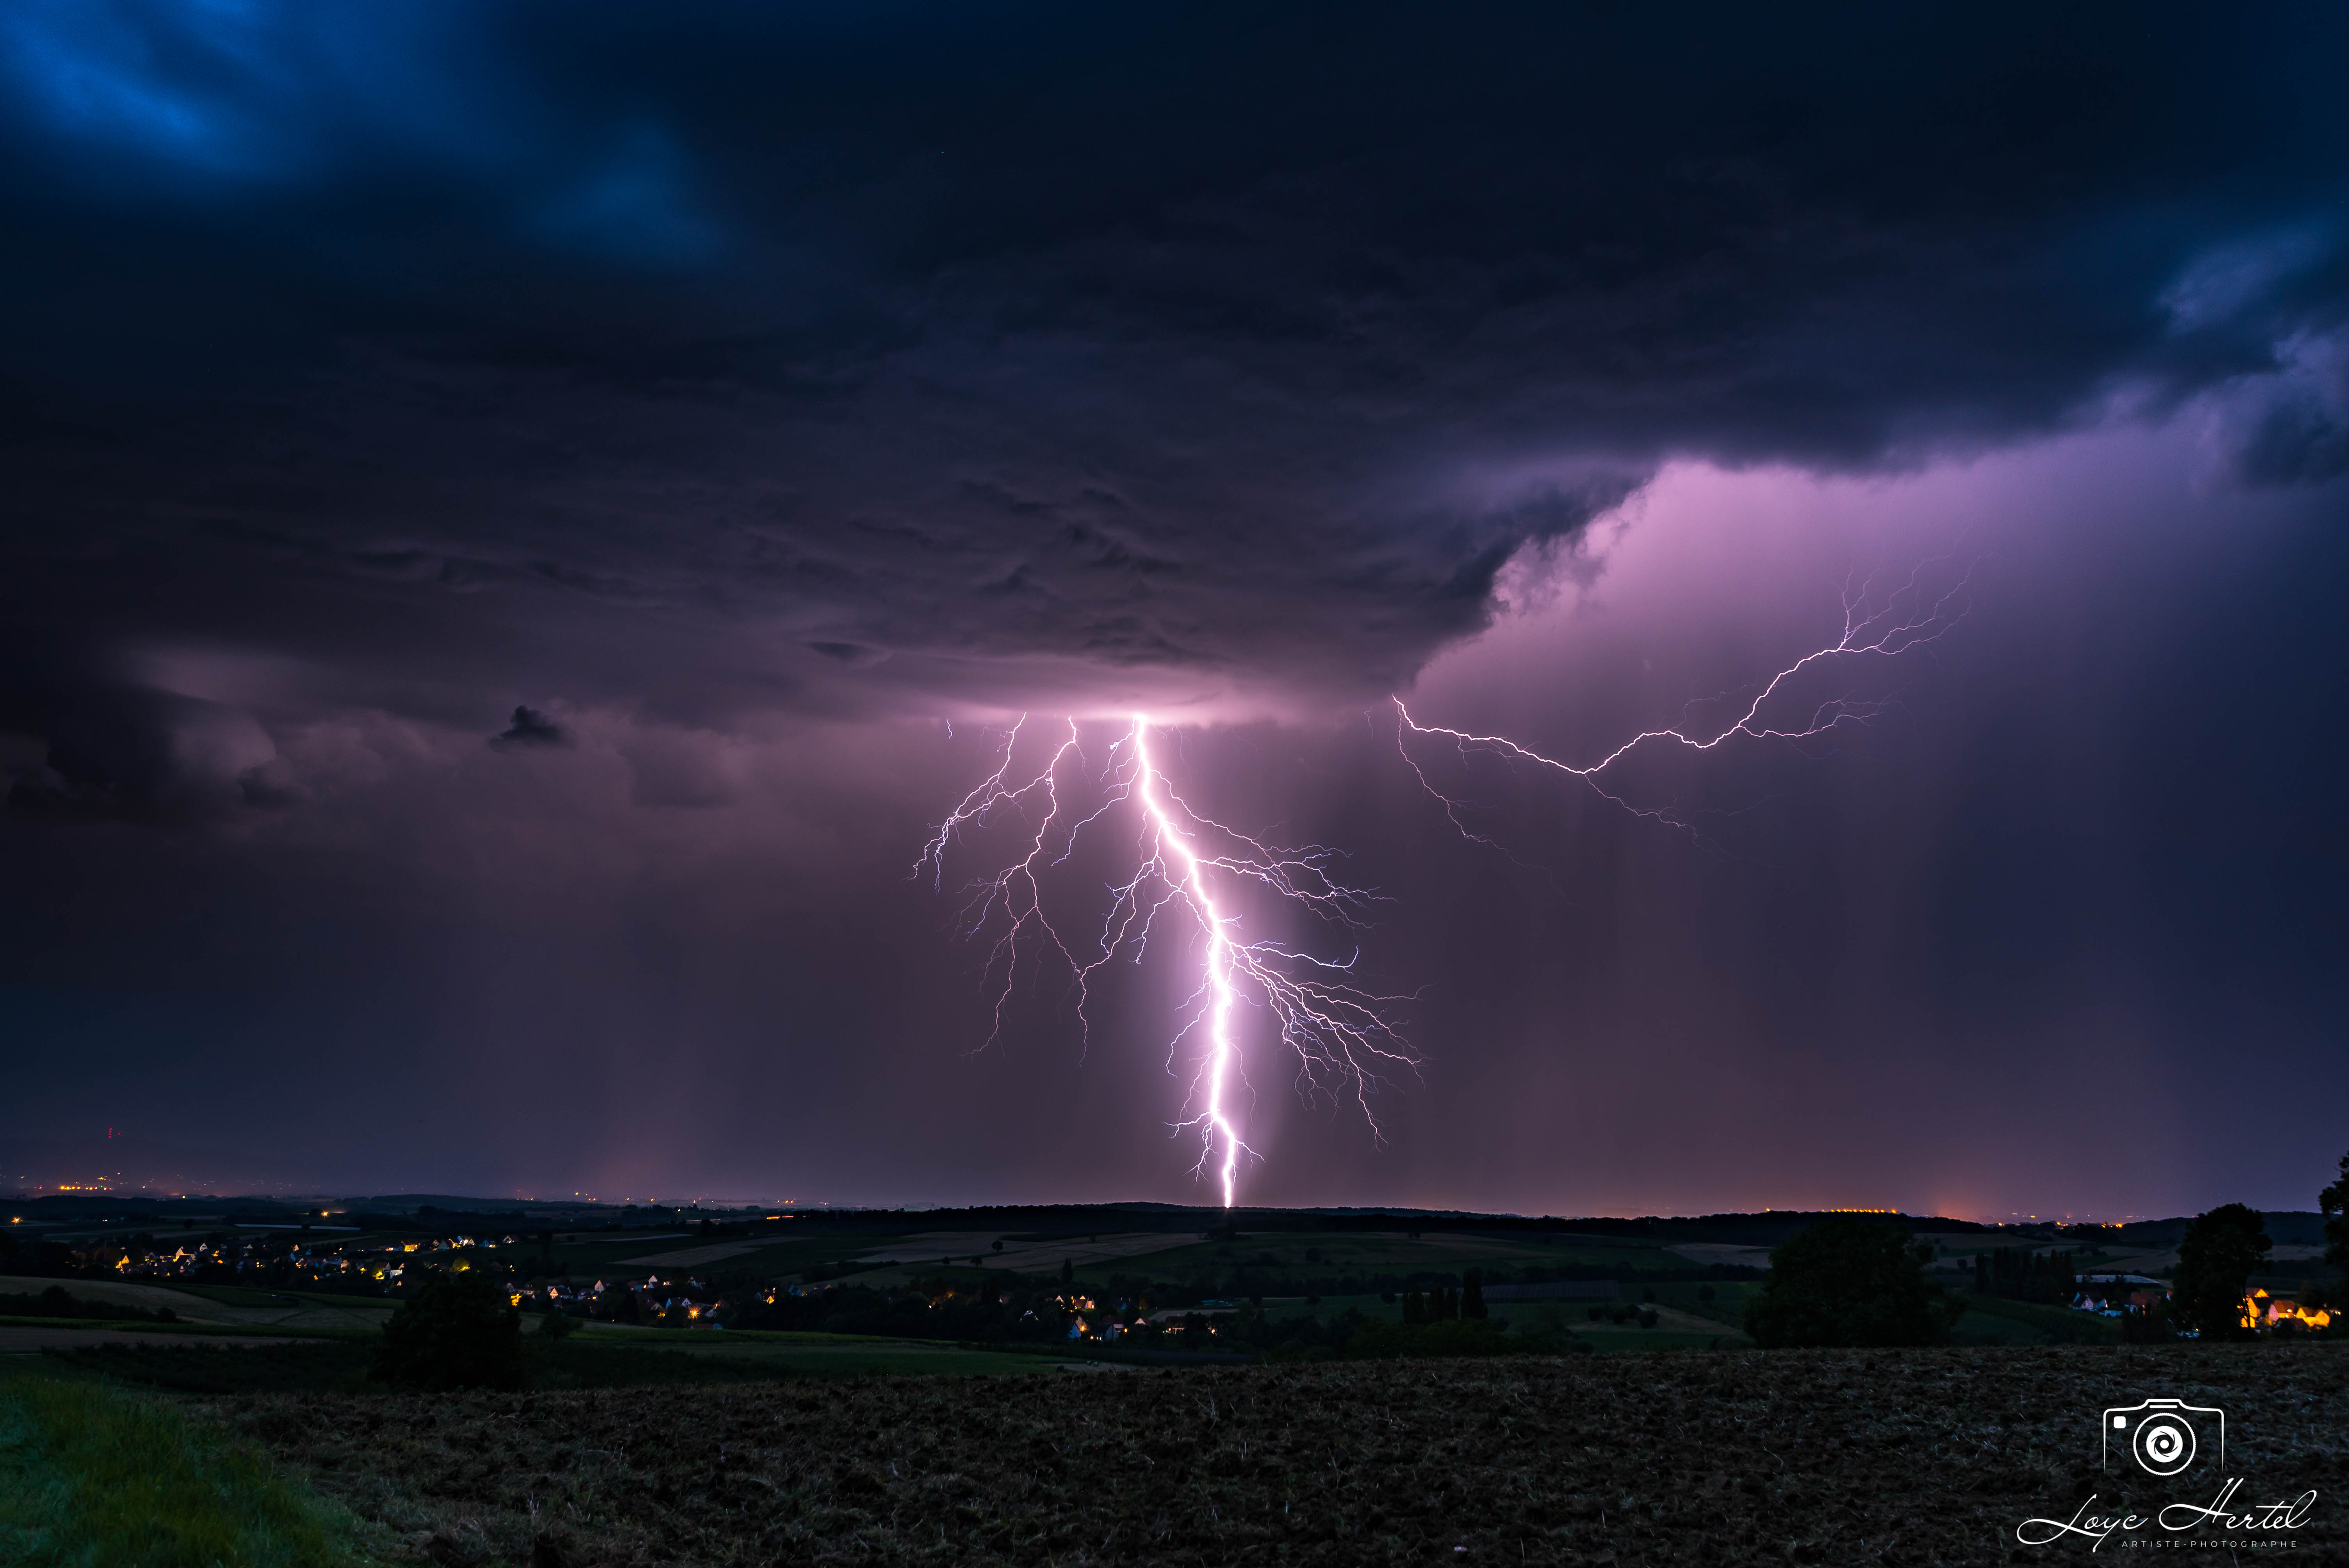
column 742, row 358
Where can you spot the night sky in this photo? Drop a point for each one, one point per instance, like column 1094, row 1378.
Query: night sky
column 521, row 520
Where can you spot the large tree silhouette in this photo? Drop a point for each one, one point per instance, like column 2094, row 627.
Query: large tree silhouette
column 1848, row 1281
column 2215, row 1263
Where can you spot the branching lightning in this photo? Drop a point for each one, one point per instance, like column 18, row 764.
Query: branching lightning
column 1190, row 870
column 1875, row 626
column 1186, row 866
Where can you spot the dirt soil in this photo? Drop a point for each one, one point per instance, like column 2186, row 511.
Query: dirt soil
column 1834, row 1457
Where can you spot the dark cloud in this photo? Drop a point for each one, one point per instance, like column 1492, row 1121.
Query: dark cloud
column 1152, row 354
column 531, row 727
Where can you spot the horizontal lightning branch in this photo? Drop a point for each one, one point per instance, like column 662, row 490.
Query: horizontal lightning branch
column 1908, row 618
column 1188, row 868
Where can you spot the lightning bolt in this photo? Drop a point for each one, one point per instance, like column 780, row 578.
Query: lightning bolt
column 1193, row 871
column 1190, row 868
column 1876, row 626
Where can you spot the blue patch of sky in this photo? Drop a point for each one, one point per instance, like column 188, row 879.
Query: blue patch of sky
column 176, row 83
column 226, row 96
column 631, row 208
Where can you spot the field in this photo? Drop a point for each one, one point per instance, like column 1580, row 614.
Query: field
column 1677, row 1442
column 1909, row 1457
column 1297, row 1255
column 1989, row 1320
column 1279, row 1257
column 225, row 1306
column 596, row 1358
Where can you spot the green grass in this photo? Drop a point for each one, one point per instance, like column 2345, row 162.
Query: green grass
column 771, row 1354
column 90, row 1323
column 1984, row 1328
column 776, row 1255
column 222, row 1294
column 1345, row 1252
column 614, row 1360
column 311, row 1367
column 1330, row 1306
column 883, row 1358
column 1610, row 1340
column 94, row 1478
column 1993, row 1320
column 1727, row 1306
column 187, row 1330
column 334, row 1298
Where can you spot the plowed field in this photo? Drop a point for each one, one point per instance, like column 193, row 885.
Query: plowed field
column 1834, row 1457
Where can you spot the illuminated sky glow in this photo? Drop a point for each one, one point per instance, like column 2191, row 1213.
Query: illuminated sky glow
column 1340, row 1035
column 520, row 518
column 1342, row 1040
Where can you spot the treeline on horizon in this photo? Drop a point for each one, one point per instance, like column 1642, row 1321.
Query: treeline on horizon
column 1052, row 1221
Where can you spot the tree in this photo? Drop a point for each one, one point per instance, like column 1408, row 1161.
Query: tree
column 459, row 1331
column 1068, row 1272
column 2221, row 1251
column 1847, row 1281
column 1472, row 1294
column 2334, row 1200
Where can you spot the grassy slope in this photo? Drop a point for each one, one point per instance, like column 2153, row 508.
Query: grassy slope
column 802, row 1355
column 1727, row 1309
column 1991, row 1320
column 598, row 1358
column 99, row 1326
column 778, row 1256
column 97, row 1479
column 1354, row 1253
column 222, row 1294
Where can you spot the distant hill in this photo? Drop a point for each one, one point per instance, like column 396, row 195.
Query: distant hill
column 437, row 1210
column 2285, row 1227
column 1765, row 1229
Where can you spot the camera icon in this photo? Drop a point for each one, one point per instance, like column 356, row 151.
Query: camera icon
column 2163, row 1433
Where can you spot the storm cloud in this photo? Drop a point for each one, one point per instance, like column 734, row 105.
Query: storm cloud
column 722, row 358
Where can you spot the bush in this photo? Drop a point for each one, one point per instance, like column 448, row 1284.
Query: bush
column 1849, row 1282
column 461, row 1332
